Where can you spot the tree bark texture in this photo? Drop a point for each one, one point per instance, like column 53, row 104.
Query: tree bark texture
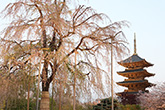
column 44, row 104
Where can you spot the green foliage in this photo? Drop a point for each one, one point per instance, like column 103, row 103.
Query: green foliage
column 69, row 106
column 89, row 107
column 52, row 104
column 105, row 104
column 83, row 107
column 130, row 107
column 20, row 104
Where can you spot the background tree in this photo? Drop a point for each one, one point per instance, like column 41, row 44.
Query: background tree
column 55, row 30
column 155, row 98
column 17, row 78
column 128, row 99
column 106, row 105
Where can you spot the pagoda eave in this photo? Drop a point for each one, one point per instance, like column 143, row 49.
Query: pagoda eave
column 127, row 83
column 142, row 63
column 135, row 73
column 151, row 84
column 134, row 61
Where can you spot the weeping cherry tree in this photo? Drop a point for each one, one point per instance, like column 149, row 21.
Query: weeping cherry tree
column 54, row 30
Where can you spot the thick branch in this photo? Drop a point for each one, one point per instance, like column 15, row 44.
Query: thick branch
column 68, row 34
column 59, row 44
column 44, row 39
column 72, row 50
column 62, row 7
column 54, row 69
column 39, row 10
column 52, row 45
column 76, row 47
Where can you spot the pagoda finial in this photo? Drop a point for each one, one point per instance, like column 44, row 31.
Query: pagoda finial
column 135, row 44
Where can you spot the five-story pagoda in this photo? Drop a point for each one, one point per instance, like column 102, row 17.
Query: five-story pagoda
column 135, row 74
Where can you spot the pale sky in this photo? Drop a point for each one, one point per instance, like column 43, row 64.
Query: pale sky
column 147, row 20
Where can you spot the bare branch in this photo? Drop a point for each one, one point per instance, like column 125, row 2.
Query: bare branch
column 86, row 49
column 63, row 4
column 94, row 15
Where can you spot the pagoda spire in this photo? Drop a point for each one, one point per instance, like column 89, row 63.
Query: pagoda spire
column 135, row 44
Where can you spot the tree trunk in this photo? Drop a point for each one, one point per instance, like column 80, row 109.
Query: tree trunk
column 44, row 104
column 28, row 95
column 52, row 95
column 60, row 96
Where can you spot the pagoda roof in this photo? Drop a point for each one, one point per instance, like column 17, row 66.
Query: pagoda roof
column 133, row 60
column 130, row 71
column 125, row 82
column 141, row 71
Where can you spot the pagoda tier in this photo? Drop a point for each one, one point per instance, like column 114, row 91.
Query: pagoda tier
column 138, row 73
column 135, row 62
column 135, row 84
